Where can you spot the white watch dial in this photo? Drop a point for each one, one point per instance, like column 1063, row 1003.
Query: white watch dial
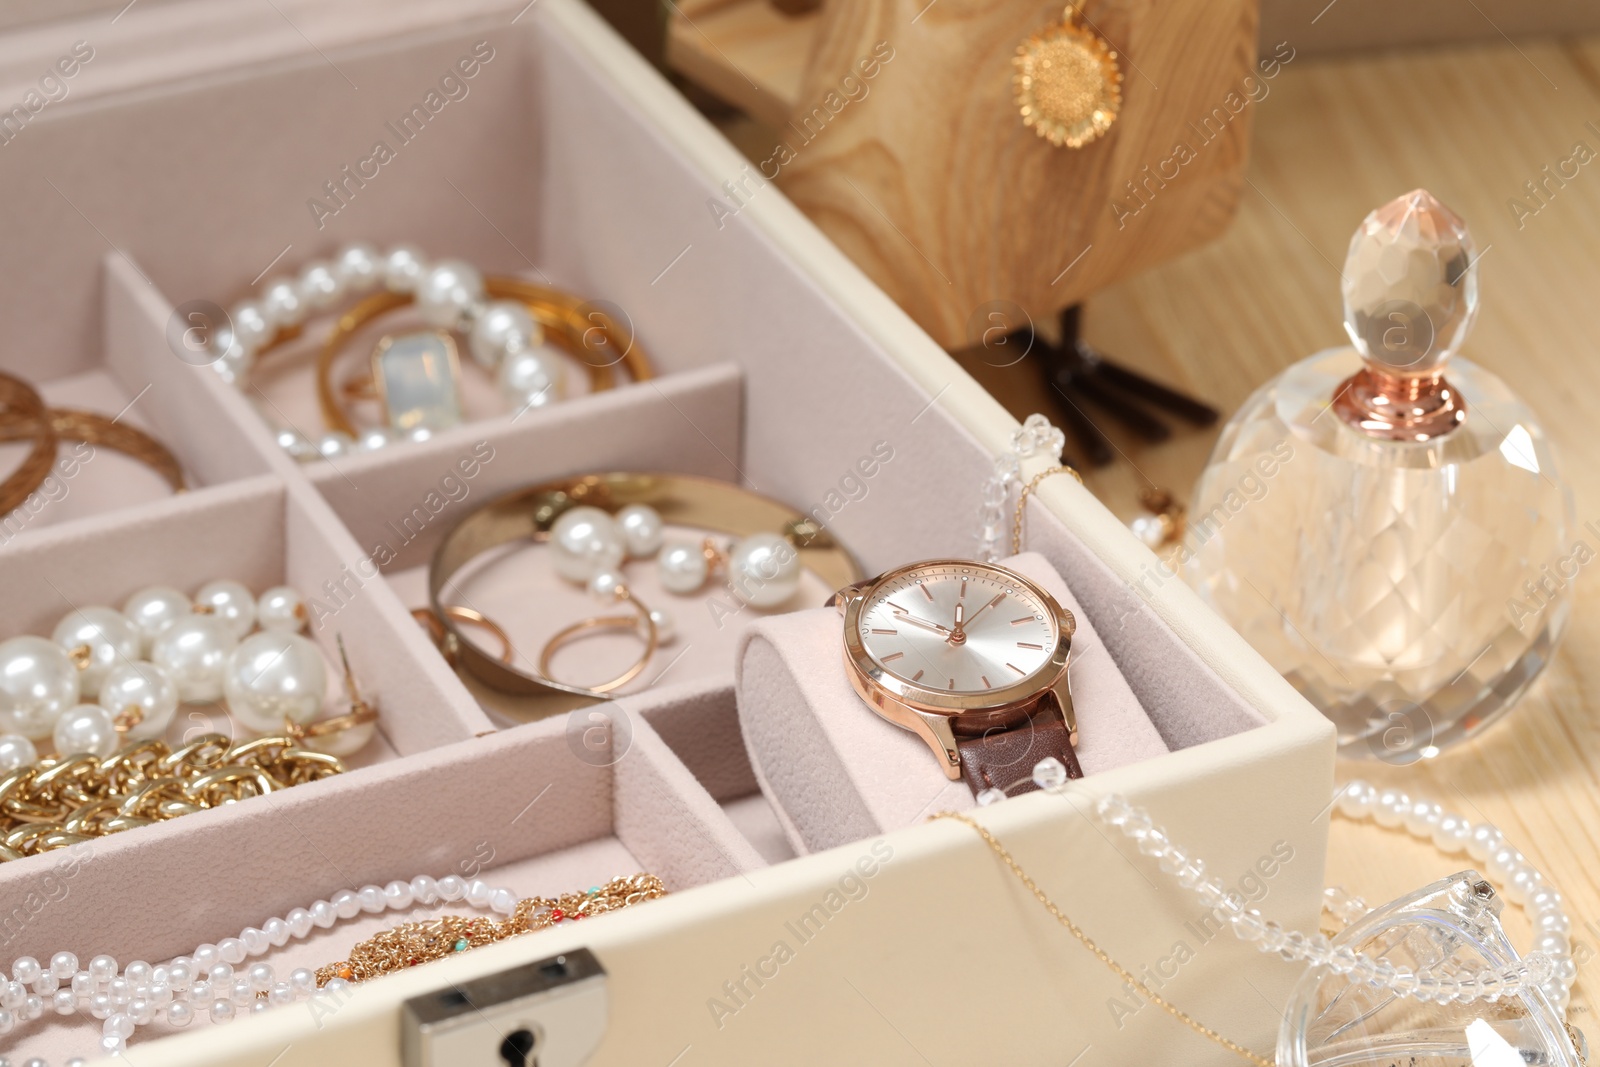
column 962, row 628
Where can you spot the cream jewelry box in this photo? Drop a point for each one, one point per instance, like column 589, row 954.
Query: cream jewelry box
column 197, row 141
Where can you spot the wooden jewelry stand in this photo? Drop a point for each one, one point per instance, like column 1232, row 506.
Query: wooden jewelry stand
column 923, row 171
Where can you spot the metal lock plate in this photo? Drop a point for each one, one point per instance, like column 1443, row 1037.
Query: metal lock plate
column 550, row 1013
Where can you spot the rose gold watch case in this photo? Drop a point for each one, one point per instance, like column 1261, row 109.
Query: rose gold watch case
column 933, row 714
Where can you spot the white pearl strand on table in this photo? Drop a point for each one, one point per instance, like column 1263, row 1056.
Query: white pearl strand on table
column 210, row 978
column 501, row 335
column 1549, row 965
column 132, row 668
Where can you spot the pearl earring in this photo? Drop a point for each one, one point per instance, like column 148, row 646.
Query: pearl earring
column 762, row 569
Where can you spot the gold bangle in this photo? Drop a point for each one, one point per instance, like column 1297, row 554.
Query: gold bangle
column 19, row 400
column 528, row 514
column 561, row 315
column 68, row 424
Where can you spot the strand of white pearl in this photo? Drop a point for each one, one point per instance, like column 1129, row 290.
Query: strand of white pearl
column 1247, row 923
column 502, row 335
column 1454, row 834
column 175, row 991
column 124, row 648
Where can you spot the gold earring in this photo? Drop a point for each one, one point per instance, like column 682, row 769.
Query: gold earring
column 1068, row 82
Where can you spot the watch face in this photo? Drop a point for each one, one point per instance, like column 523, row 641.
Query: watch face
column 958, row 627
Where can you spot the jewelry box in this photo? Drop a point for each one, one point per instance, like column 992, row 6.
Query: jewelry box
column 194, row 148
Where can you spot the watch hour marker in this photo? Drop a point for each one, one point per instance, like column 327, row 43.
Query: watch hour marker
column 963, row 594
column 917, row 677
column 952, row 684
column 985, row 678
column 1019, row 622
column 891, row 657
column 925, row 592
column 1027, row 644
column 898, row 608
column 877, row 630
column 1016, row 668
column 996, row 600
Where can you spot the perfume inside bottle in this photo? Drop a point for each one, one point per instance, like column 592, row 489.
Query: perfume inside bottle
column 1385, row 523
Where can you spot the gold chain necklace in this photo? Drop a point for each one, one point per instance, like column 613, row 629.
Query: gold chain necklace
column 1099, row 953
column 1022, row 501
column 1122, row 972
column 411, row 944
column 60, row 802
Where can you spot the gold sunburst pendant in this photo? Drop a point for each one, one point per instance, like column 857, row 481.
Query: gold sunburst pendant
column 1068, row 82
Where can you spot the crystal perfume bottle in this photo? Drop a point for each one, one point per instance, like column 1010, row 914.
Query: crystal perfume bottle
column 1337, row 1020
column 1396, row 542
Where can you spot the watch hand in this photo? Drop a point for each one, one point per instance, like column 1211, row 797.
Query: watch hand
column 986, row 607
column 913, row 620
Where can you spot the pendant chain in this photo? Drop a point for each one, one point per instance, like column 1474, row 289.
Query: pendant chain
column 1022, row 501
column 1100, row 953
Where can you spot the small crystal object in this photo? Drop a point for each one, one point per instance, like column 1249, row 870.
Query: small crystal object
column 1149, row 529
column 1049, row 774
column 990, row 796
column 419, row 380
column 1398, row 543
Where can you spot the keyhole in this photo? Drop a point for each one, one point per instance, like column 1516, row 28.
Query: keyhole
column 517, row 1050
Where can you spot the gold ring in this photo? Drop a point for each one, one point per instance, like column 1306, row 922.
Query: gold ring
column 440, row 636
column 562, row 315
column 652, row 640
column 527, row 515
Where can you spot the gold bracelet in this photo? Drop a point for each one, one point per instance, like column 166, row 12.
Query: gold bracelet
column 415, row 376
column 59, row 802
column 412, row 944
column 20, row 401
column 69, row 424
column 574, row 330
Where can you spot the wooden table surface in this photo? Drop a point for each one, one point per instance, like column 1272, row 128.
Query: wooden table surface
column 1334, row 139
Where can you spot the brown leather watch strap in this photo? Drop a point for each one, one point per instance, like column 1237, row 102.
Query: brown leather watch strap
column 1003, row 757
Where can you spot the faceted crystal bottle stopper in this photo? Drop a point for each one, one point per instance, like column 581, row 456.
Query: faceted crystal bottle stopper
column 1410, row 296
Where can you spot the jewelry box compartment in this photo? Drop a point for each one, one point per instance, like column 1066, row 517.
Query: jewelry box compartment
column 262, row 533
column 108, row 356
column 538, row 811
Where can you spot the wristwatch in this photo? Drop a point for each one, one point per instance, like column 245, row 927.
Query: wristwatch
column 972, row 658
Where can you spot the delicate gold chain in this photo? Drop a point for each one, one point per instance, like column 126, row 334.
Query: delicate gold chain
column 1088, row 942
column 411, row 944
column 1022, row 500
column 59, row 802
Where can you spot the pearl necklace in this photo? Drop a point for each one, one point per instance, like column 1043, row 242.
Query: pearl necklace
column 1549, row 965
column 107, row 677
column 213, row 979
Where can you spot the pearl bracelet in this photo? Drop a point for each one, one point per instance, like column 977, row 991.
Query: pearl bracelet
column 212, row 978
column 416, row 374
